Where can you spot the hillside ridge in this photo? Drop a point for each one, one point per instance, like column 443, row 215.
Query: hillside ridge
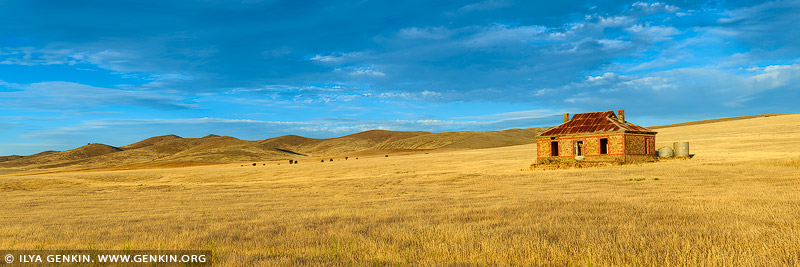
column 715, row 120
column 225, row 149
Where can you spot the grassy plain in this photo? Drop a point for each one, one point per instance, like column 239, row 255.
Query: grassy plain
column 737, row 202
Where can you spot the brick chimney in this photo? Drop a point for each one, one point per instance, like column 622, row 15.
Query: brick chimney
column 566, row 117
column 621, row 115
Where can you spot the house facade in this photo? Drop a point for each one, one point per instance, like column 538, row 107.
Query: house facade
column 596, row 136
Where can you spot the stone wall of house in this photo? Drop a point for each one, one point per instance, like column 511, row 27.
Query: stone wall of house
column 621, row 147
column 543, row 147
column 565, row 147
column 635, row 144
column 616, row 145
column 591, row 145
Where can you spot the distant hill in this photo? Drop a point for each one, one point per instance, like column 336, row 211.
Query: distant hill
column 51, row 159
column 160, row 150
column 466, row 140
column 150, row 141
column 714, row 121
column 9, row 158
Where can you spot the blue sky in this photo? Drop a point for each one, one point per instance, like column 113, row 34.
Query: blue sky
column 115, row 72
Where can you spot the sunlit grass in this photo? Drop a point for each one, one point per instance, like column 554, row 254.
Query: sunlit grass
column 477, row 207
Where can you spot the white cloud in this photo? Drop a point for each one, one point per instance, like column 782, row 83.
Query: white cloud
column 63, row 96
column 774, row 76
column 525, row 114
column 614, row 21
column 29, row 56
column 656, row 7
column 605, row 79
column 366, row 71
column 335, row 57
column 435, row 33
column 505, row 34
column 653, row 33
column 654, row 83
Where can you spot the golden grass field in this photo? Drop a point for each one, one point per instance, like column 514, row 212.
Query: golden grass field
column 736, row 203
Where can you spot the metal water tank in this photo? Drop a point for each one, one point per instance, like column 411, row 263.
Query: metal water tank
column 681, row 149
column 665, row 152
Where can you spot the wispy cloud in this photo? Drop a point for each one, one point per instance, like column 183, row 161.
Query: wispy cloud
column 525, row 114
column 65, row 96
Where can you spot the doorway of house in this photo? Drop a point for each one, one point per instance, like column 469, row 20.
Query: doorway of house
column 554, row 149
column 579, row 150
column 603, row 146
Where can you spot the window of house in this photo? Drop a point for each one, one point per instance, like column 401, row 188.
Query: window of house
column 647, row 145
column 603, row 146
column 554, row 148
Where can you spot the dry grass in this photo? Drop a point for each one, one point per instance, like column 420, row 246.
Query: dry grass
column 795, row 163
column 725, row 206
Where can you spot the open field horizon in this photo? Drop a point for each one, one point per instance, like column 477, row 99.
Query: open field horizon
column 735, row 203
column 168, row 151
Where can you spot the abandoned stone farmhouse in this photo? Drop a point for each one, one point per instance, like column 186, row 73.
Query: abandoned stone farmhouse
column 596, row 136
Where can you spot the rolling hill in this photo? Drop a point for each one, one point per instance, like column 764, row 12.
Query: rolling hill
column 161, row 150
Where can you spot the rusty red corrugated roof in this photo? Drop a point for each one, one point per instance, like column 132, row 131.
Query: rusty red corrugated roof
column 595, row 122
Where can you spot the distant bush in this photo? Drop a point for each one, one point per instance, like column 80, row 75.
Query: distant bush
column 322, row 160
column 331, row 159
column 291, row 161
column 386, row 156
column 254, row 164
column 345, row 158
